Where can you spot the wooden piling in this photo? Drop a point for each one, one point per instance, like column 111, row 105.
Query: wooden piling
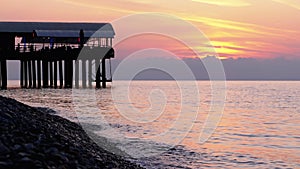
column 29, row 74
column 21, row 73
column 51, row 73
column 90, row 73
column 66, row 66
column 25, row 74
column 103, row 73
column 33, row 74
column 68, row 73
column 77, row 73
column 55, row 74
column 84, row 73
column 39, row 78
column 71, row 73
column 45, row 74
column 97, row 70
column 32, row 65
column 0, row 75
column 3, row 74
column 61, row 78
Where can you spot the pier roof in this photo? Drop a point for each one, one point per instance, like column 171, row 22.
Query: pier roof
column 57, row 28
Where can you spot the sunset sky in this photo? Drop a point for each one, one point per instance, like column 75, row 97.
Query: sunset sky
column 237, row 28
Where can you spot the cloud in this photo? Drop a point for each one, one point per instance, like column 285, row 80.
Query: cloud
column 241, row 39
column 228, row 3
column 239, row 26
column 95, row 5
column 292, row 3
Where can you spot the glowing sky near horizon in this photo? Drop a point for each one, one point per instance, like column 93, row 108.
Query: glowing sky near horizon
column 236, row 28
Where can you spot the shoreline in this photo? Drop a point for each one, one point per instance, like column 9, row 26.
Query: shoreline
column 33, row 138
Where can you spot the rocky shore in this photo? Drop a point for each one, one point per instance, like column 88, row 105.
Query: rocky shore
column 31, row 138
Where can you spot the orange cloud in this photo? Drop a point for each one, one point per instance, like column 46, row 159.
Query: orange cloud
column 227, row 3
column 292, row 3
column 239, row 26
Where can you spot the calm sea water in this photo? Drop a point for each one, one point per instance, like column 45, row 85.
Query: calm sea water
column 260, row 126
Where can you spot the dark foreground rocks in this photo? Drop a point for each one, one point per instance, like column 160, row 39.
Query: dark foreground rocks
column 31, row 138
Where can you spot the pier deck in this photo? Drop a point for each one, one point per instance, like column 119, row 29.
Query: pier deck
column 68, row 53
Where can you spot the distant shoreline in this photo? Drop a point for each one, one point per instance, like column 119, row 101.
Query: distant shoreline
column 15, row 84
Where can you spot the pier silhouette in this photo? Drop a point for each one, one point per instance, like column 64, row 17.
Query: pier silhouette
column 52, row 52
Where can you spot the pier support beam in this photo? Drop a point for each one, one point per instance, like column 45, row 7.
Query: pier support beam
column 103, row 73
column 21, row 73
column 84, row 73
column 61, row 78
column 37, row 71
column 51, row 73
column 98, row 74
column 68, row 73
column 29, row 73
column 71, row 73
column 3, row 74
column 25, row 74
column 39, row 78
column 33, row 74
column 90, row 73
column 77, row 73
column 0, row 76
column 45, row 74
column 55, row 74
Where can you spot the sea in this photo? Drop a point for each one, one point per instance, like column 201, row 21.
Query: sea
column 166, row 124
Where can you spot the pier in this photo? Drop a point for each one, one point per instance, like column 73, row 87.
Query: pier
column 57, row 55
